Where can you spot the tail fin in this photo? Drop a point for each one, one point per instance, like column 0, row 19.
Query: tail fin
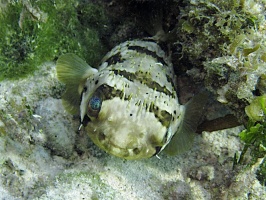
column 184, row 136
column 73, row 71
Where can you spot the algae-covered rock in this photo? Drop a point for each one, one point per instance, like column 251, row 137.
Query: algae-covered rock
column 225, row 40
column 33, row 32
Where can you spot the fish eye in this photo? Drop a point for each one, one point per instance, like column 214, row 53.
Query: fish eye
column 95, row 103
column 94, row 106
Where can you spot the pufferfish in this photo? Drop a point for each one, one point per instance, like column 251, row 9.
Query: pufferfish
column 129, row 105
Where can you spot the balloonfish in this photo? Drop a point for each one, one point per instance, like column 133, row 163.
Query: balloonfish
column 129, row 105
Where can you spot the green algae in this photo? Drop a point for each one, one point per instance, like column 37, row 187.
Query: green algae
column 254, row 136
column 15, row 44
column 33, row 32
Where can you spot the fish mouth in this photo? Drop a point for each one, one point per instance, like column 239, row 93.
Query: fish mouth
column 127, row 153
column 119, row 151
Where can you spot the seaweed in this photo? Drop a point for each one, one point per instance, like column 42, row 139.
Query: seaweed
column 254, row 137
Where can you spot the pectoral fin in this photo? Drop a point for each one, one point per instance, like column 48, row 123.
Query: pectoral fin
column 184, row 137
column 73, row 71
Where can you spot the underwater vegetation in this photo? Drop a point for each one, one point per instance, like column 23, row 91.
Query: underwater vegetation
column 33, row 32
column 225, row 42
column 254, row 136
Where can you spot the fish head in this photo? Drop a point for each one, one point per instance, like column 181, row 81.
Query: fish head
column 120, row 126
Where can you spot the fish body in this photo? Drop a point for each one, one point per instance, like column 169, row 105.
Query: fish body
column 129, row 105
